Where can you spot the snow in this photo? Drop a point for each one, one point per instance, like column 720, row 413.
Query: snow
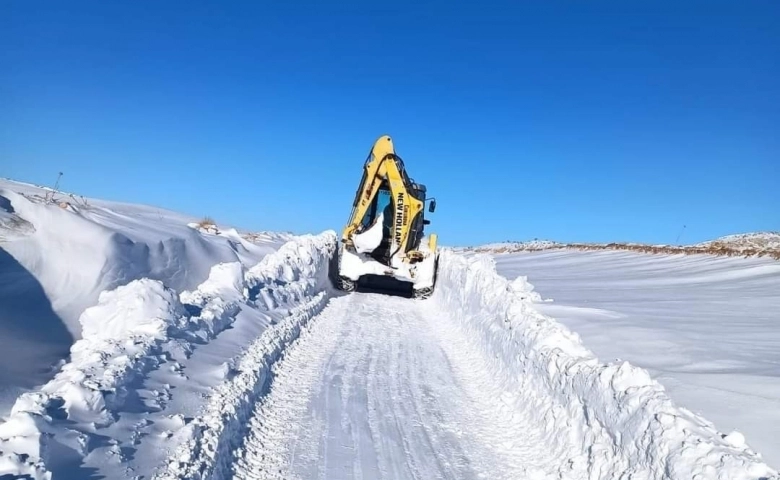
column 57, row 257
column 704, row 327
column 473, row 383
column 759, row 241
column 226, row 282
column 171, row 349
column 143, row 307
column 133, row 331
column 745, row 244
column 203, row 451
column 420, row 274
column 530, row 246
column 367, row 241
column 618, row 419
column 377, row 385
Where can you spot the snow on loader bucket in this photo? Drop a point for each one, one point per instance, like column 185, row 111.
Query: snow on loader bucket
column 383, row 247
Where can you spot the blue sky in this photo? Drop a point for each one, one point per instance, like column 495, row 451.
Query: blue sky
column 586, row 121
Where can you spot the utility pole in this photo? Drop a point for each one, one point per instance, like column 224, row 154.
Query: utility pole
column 50, row 196
column 57, row 183
column 677, row 241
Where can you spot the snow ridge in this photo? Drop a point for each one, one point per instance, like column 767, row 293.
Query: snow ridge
column 133, row 329
column 299, row 271
column 616, row 420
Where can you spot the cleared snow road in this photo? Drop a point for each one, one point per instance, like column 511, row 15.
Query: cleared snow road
column 385, row 387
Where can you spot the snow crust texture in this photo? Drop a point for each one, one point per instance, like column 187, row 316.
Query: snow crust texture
column 134, row 329
column 615, row 420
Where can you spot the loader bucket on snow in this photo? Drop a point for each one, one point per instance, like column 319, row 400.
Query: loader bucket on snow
column 382, row 284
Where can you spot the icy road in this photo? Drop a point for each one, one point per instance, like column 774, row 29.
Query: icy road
column 383, row 387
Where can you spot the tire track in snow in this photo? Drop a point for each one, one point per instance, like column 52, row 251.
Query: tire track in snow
column 384, row 387
column 273, row 427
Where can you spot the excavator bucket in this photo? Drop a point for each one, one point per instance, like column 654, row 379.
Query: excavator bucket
column 384, row 247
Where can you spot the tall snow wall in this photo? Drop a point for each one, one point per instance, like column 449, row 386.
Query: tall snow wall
column 127, row 334
column 611, row 420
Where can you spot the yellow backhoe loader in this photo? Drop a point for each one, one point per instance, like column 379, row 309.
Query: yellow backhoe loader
column 383, row 247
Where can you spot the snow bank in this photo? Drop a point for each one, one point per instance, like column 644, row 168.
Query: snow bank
column 121, row 336
column 609, row 420
column 56, row 257
column 90, row 246
column 226, row 281
column 295, row 277
column 131, row 331
column 143, row 307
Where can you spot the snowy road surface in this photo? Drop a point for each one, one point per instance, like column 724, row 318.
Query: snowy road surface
column 383, row 387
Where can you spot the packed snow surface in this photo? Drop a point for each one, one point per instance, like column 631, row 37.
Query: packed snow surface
column 58, row 252
column 705, row 327
column 383, row 385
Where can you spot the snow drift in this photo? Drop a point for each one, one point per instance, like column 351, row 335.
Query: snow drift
column 607, row 420
column 56, row 257
column 136, row 327
column 295, row 279
column 80, row 250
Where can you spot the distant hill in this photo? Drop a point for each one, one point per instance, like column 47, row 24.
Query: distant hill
column 744, row 244
column 769, row 241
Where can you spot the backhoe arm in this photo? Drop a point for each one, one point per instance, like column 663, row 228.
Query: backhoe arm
column 384, row 167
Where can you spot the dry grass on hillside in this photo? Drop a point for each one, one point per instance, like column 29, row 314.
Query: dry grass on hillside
column 207, row 222
column 714, row 249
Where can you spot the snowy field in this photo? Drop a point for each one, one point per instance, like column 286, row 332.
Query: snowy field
column 173, row 352
column 707, row 328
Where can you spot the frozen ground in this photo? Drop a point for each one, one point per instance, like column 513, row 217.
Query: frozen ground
column 707, row 328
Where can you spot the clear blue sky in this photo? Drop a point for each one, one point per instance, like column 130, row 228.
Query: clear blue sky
column 589, row 121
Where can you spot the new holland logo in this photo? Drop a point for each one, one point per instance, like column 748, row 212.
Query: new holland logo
column 400, row 218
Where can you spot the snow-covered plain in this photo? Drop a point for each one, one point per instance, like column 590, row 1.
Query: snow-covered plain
column 256, row 368
column 706, row 327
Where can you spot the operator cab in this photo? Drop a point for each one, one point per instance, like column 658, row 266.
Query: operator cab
column 382, row 205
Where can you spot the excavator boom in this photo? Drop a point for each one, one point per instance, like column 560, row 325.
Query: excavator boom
column 384, row 234
column 384, row 170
